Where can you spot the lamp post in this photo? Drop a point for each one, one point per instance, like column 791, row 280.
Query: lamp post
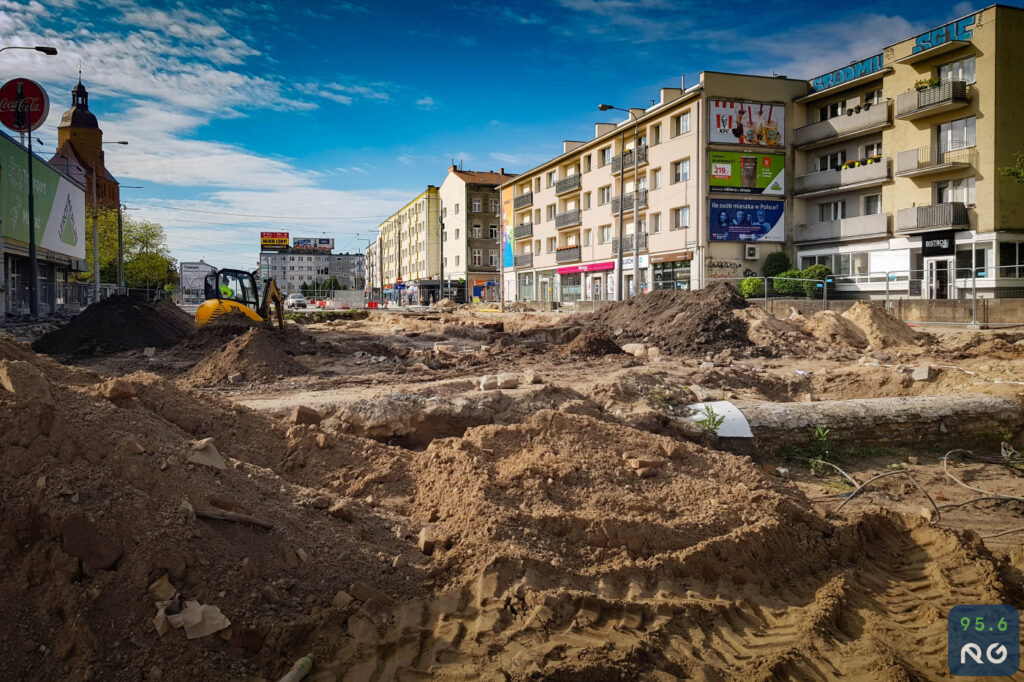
column 33, row 261
column 622, row 198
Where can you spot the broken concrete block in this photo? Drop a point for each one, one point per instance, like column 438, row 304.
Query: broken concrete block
column 488, row 382
column 531, row 377
column 24, row 381
column 637, row 350
column 428, row 539
column 507, row 380
column 923, row 373
column 204, row 452
column 653, row 353
column 646, row 473
column 304, row 415
column 444, row 347
column 117, row 389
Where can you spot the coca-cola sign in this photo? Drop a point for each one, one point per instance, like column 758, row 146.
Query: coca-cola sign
column 24, row 105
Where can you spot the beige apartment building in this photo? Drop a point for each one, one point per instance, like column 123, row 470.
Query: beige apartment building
column 714, row 154
column 405, row 257
column 897, row 159
column 470, row 217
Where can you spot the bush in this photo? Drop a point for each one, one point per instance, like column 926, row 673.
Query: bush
column 817, row 272
column 776, row 263
column 787, row 284
column 751, row 287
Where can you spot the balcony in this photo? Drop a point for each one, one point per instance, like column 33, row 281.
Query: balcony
column 523, row 200
column 568, row 184
column 946, row 96
column 861, row 227
column 933, row 159
column 523, row 231
column 627, row 243
column 626, row 160
column 524, row 260
column 870, row 117
column 933, row 217
column 626, row 202
column 866, row 174
column 573, row 217
column 567, row 254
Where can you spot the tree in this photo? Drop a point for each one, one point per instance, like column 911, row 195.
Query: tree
column 149, row 271
column 145, row 247
column 776, row 263
column 1016, row 171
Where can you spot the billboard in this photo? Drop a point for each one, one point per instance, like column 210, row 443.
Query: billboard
column 757, row 124
column 313, row 243
column 740, row 173
column 273, row 241
column 747, row 220
column 58, row 201
column 508, row 219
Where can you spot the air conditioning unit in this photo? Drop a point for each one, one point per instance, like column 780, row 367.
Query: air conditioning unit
column 751, row 252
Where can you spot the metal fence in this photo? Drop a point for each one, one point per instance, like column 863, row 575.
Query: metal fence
column 68, row 298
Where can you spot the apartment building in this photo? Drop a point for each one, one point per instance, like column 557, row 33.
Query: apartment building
column 899, row 155
column 698, row 181
column 470, row 242
column 407, row 252
column 294, row 268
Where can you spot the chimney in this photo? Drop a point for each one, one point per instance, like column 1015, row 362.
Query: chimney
column 451, row 169
column 501, row 171
column 603, row 128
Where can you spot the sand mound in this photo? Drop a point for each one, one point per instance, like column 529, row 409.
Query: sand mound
column 588, row 344
column 831, row 328
column 217, row 332
column 445, row 304
column 115, row 324
column 778, row 337
column 258, row 355
column 881, row 328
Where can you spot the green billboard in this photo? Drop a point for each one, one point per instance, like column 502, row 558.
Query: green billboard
column 59, row 203
column 743, row 173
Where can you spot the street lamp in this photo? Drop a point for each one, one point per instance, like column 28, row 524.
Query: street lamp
column 622, row 199
column 38, row 48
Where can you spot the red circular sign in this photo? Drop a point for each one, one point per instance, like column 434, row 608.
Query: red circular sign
column 23, row 105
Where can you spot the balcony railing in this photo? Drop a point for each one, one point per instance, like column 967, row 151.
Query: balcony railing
column 932, row 217
column 626, row 160
column 934, row 159
column 523, row 200
column 524, row 260
column 625, row 202
column 869, row 117
column 523, row 231
column 573, row 217
column 945, row 96
column 837, row 178
column 567, row 254
column 860, row 227
column 567, row 184
column 627, row 243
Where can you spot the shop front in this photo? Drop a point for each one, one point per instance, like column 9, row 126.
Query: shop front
column 671, row 270
column 587, row 281
column 547, row 286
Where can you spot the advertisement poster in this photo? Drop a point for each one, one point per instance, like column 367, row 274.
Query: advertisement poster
column 740, row 173
column 751, row 123
column 747, row 220
column 508, row 218
column 317, row 243
column 271, row 241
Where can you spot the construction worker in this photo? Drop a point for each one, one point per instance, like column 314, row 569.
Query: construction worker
column 225, row 291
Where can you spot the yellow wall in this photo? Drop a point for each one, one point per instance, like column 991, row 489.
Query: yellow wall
column 1009, row 127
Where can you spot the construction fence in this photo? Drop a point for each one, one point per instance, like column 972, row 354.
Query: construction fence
column 67, row 298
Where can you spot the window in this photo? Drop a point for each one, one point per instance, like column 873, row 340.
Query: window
column 873, row 204
column 456, row 261
column 957, row 134
column 456, row 209
column 492, row 257
column 656, row 178
column 1011, row 258
column 493, row 231
column 655, row 134
column 586, row 164
column 456, row 233
column 478, row 205
column 604, row 157
column 552, row 244
column 643, row 225
column 873, row 149
column 681, row 124
column 681, row 170
column 872, row 97
column 493, row 205
column 808, row 261
column 604, row 234
column 536, row 246
column 478, row 231
column 536, row 215
column 586, row 200
column 478, row 257
column 536, row 184
column 953, row 191
column 552, row 176
column 586, row 237
column 680, row 218
column 604, row 195
column 831, row 110
column 960, row 70
column 656, row 223
column 832, row 161
column 831, row 210
column 642, row 185
column 551, row 211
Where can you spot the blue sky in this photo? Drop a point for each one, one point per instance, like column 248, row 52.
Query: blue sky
column 325, row 117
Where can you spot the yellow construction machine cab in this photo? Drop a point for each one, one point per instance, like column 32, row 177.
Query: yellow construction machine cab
column 235, row 290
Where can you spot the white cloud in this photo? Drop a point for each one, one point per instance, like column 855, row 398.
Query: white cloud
column 426, row 103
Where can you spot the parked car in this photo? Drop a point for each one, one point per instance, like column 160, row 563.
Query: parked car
column 295, row 301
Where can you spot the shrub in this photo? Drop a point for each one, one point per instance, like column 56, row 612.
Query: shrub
column 751, row 287
column 817, row 272
column 776, row 263
column 787, row 283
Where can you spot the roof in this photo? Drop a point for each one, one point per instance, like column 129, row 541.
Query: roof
column 70, row 162
column 484, row 177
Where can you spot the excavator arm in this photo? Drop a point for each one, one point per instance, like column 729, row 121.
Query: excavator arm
column 272, row 294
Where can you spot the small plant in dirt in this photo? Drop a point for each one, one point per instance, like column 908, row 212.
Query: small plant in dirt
column 659, row 399
column 710, row 422
column 823, row 449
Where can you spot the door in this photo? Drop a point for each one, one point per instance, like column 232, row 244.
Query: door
column 545, row 290
column 598, row 289
column 937, row 275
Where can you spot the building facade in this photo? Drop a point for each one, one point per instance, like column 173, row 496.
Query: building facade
column 295, row 268
column 409, row 250
column 470, row 237
column 80, row 152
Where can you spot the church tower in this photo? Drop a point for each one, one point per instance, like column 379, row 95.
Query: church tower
column 80, row 150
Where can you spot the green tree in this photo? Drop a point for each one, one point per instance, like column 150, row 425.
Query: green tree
column 145, row 247
column 149, row 271
column 776, row 262
column 1016, row 171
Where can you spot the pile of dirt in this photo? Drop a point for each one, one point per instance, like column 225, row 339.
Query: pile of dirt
column 115, row 324
column 258, row 355
column 444, row 304
column 833, row 329
column 588, row 344
column 217, row 332
column 882, row 329
column 782, row 337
